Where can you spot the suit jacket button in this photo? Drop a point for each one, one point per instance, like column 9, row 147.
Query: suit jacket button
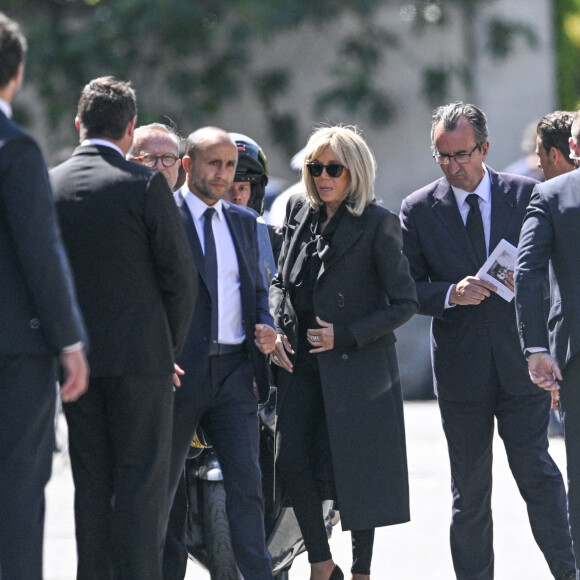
column 344, row 356
column 34, row 323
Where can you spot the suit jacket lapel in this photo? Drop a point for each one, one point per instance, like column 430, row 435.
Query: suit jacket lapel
column 446, row 210
column 346, row 234
column 233, row 225
column 503, row 208
column 247, row 279
column 299, row 222
column 192, row 235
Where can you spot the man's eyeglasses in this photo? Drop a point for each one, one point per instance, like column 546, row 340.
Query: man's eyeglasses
column 332, row 169
column 167, row 160
column 459, row 157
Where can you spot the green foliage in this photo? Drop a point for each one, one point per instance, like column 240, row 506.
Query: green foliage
column 501, row 37
column 191, row 58
column 567, row 26
column 353, row 88
column 436, row 81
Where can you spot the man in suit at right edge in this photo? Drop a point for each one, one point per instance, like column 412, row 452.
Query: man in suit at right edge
column 550, row 242
column 40, row 320
column 449, row 228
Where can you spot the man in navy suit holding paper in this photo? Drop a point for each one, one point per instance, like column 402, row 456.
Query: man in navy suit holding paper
column 480, row 374
column 231, row 333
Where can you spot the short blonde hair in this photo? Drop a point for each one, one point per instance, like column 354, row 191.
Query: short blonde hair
column 350, row 150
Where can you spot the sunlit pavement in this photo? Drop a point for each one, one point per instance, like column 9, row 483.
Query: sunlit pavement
column 410, row 551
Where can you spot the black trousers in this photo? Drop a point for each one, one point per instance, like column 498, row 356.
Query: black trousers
column 27, row 407
column 522, row 424
column 120, row 444
column 570, row 400
column 225, row 406
column 304, row 461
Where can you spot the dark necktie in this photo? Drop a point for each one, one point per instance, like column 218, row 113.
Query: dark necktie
column 474, row 226
column 210, row 258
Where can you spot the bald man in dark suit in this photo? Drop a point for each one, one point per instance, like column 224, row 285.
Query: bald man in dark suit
column 231, row 333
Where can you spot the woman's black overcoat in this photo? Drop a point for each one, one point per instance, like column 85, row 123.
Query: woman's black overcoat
column 365, row 284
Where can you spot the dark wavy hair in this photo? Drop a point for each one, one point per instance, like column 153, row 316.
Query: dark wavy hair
column 105, row 108
column 555, row 129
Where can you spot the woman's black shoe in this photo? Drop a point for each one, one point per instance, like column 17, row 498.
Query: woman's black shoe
column 336, row 574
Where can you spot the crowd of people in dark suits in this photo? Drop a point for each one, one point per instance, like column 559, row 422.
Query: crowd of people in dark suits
column 128, row 266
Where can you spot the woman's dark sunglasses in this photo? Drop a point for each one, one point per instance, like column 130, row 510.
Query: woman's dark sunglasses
column 332, row 169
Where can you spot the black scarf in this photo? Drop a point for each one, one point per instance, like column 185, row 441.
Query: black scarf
column 313, row 252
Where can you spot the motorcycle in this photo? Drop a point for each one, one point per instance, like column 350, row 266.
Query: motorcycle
column 207, row 530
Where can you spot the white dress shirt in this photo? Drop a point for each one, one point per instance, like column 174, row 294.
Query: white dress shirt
column 230, row 328
column 104, row 143
column 483, row 191
column 6, row 108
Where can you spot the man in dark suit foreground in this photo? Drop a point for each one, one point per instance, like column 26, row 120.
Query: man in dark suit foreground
column 551, row 236
column 136, row 286
column 479, row 371
column 230, row 335
column 40, row 320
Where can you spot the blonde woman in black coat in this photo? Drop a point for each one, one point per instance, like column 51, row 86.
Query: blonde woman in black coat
column 342, row 288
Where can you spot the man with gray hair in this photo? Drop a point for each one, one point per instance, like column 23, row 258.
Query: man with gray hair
column 449, row 228
column 157, row 146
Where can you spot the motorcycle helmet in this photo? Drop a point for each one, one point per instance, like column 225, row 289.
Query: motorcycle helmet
column 253, row 168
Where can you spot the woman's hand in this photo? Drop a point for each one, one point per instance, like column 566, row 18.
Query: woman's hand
column 279, row 356
column 321, row 338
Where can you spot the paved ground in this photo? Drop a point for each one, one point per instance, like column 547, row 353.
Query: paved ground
column 411, row 551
